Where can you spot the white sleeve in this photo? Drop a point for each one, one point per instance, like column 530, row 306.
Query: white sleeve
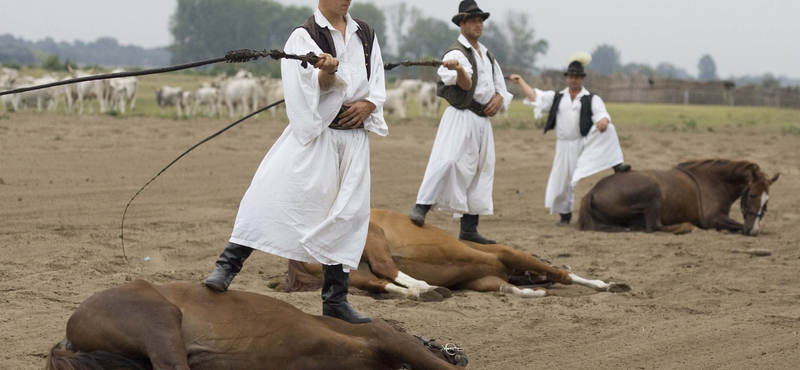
column 449, row 77
column 310, row 110
column 500, row 86
column 377, row 92
column 599, row 110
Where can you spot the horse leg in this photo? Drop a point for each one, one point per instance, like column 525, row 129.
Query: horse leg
column 678, row 229
column 496, row 284
column 379, row 255
column 723, row 222
column 518, row 260
column 135, row 320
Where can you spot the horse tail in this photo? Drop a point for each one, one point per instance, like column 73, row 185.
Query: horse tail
column 63, row 356
column 586, row 218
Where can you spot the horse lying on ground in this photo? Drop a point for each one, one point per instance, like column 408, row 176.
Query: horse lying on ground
column 419, row 262
column 698, row 193
column 182, row 326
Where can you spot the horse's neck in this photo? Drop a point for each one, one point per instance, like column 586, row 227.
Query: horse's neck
column 720, row 184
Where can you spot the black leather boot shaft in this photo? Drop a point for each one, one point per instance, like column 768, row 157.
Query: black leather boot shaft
column 228, row 265
column 566, row 218
column 334, row 296
column 469, row 230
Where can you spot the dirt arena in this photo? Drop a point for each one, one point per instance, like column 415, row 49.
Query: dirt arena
column 65, row 181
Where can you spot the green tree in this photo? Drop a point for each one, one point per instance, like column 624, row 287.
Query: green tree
column 205, row 29
column 605, row 60
column 707, row 69
column 524, row 49
column 372, row 15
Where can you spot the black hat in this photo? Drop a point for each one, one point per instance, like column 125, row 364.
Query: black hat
column 576, row 69
column 577, row 63
column 468, row 8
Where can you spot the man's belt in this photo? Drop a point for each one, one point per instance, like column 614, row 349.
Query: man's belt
column 477, row 108
column 336, row 126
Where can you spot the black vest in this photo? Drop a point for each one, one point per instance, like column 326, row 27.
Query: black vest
column 586, row 113
column 456, row 96
column 322, row 37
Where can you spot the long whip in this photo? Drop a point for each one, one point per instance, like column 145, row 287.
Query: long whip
column 122, row 225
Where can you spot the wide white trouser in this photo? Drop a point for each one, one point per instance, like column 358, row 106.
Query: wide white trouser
column 460, row 172
column 577, row 159
column 310, row 202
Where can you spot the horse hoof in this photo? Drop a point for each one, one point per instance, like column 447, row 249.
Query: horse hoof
column 446, row 293
column 619, row 288
column 430, row 296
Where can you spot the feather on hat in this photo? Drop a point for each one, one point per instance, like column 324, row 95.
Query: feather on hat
column 577, row 62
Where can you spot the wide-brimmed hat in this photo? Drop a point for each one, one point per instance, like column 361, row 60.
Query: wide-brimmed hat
column 468, row 8
column 577, row 64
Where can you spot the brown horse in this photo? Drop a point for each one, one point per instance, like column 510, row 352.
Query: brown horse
column 182, row 326
column 698, row 193
column 401, row 257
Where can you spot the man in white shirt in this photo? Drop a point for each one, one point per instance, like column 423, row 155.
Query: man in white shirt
column 310, row 198
column 460, row 173
column 587, row 141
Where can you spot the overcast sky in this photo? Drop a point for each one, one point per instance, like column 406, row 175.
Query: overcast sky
column 743, row 36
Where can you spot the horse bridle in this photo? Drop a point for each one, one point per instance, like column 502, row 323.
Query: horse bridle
column 745, row 211
column 452, row 353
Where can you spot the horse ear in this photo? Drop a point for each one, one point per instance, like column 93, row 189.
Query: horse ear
column 774, row 178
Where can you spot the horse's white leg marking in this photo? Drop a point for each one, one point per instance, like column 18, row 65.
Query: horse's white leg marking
column 597, row 285
column 524, row 292
column 417, row 286
column 394, row 288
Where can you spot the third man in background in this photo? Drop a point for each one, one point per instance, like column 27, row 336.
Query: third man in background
column 587, row 141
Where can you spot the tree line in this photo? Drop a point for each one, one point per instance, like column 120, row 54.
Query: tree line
column 205, row 29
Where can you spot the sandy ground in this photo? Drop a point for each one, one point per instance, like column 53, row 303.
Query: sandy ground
column 65, row 181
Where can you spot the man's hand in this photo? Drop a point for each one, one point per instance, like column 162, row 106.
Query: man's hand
column 602, row 125
column 515, row 78
column 494, row 105
column 451, row 64
column 327, row 63
column 356, row 113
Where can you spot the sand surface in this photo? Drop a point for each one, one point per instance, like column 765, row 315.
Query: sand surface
column 65, row 181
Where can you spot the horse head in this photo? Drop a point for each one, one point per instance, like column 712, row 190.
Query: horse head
column 448, row 352
column 754, row 199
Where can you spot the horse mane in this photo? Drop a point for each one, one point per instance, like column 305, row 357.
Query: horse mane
column 727, row 169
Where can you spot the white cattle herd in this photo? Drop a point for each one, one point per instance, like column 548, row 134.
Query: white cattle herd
column 240, row 95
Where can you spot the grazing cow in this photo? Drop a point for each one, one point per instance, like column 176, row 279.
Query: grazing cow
column 89, row 90
column 122, row 92
column 428, row 101
column 273, row 91
column 168, row 96
column 409, row 86
column 207, row 100
column 8, row 81
column 182, row 326
column 187, row 102
column 396, row 102
column 401, row 257
column 243, row 92
column 42, row 98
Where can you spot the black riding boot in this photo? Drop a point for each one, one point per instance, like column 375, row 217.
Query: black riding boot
column 565, row 219
column 622, row 167
column 334, row 296
column 417, row 214
column 228, row 265
column 469, row 230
